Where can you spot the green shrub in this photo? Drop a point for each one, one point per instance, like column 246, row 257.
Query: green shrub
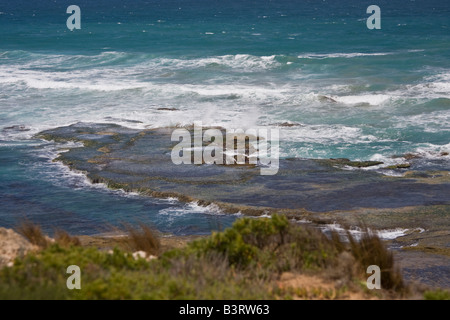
column 271, row 243
column 117, row 275
column 437, row 295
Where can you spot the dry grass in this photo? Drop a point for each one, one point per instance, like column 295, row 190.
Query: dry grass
column 33, row 233
column 142, row 238
column 371, row 250
column 355, row 256
column 66, row 240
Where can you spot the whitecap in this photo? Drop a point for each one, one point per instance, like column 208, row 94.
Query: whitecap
column 357, row 233
column 391, row 234
column 191, row 208
column 371, row 99
column 341, row 55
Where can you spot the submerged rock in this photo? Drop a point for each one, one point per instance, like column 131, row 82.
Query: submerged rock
column 167, row 109
column 17, row 128
column 288, row 124
column 327, row 99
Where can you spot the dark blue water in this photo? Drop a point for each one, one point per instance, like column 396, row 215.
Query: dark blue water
column 351, row 92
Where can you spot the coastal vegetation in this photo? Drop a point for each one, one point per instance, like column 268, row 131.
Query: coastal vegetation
column 265, row 258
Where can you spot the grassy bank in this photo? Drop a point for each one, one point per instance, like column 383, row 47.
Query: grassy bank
column 255, row 259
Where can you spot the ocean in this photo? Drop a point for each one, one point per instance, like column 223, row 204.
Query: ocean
column 312, row 68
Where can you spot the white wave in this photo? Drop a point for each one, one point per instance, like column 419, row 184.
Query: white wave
column 392, row 234
column 56, row 172
column 335, row 227
column 124, row 79
column 429, row 90
column 424, row 153
column 443, row 76
column 51, row 84
column 357, row 233
column 301, row 221
column 433, row 151
column 341, row 55
column 32, row 60
column 61, row 175
column 372, row 99
column 170, row 200
column 112, row 60
column 326, row 134
column 243, row 62
column 190, row 208
column 131, row 92
column 411, row 245
column 387, row 160
column 436, row 121
column 432, row 87
column 19, row 144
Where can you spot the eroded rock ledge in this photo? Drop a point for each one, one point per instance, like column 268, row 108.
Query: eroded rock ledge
column 139, row 160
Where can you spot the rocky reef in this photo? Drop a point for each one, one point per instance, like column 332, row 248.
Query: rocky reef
column 140, row 160
column 320, row 191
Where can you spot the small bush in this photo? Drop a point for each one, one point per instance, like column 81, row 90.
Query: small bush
column 271, row 243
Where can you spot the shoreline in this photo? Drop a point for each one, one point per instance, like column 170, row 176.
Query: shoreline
column 417, row 267
column 138, row 161
column 113, row 155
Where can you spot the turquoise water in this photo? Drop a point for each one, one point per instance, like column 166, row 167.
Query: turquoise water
column 348, row 91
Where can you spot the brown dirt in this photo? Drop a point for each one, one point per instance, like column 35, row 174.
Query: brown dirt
column 313, row 287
